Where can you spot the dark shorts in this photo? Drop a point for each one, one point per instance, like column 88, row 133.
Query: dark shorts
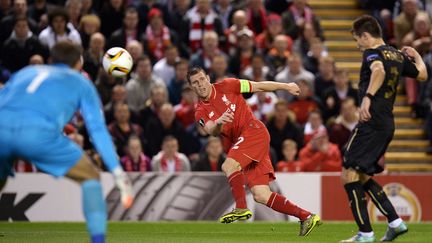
column 365, row 148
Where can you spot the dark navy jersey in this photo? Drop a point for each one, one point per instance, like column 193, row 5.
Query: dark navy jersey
column 396, row 64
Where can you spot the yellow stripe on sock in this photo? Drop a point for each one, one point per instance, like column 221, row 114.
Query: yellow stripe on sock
column 377, row 203
column 357, row 207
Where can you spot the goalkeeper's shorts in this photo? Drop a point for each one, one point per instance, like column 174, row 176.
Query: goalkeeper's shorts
column 48, row 149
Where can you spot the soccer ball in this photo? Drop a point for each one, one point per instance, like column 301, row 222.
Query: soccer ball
column 117, row 62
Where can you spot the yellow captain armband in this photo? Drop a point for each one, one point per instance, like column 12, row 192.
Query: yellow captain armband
column 245, row 86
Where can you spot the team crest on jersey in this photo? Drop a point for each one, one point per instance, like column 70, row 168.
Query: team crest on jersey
column 211, row 114
column 225, row 100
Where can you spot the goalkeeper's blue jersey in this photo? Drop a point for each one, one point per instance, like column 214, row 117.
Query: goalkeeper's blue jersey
column 50, row 95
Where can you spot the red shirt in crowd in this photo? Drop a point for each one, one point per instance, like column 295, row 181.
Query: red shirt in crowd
column 312, row 160
column 185, row 113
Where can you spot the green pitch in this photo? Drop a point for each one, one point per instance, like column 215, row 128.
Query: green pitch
column 201, row 232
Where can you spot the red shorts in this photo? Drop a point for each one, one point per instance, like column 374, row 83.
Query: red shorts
column 252, row 152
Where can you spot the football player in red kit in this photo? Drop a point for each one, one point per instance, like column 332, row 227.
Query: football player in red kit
column 223, row 111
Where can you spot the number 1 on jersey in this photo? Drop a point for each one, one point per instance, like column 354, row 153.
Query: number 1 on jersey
column 36, row 82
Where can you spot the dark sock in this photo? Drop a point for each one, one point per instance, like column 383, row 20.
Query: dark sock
column 380, row 199
column 357, row 198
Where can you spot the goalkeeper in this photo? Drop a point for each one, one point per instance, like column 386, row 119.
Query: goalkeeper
column 35, row 105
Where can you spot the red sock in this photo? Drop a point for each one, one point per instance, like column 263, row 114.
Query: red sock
column 237, row 182
column 281, row 204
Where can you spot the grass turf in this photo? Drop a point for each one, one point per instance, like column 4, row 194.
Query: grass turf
column 202, row 232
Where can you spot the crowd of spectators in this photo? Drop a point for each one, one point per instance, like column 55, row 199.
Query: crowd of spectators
column 150, row 113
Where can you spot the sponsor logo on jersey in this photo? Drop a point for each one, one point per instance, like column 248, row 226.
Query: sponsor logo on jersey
column 372, row 57
column 404, row 201
column 392, row 55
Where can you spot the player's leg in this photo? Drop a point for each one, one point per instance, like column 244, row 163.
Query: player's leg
column 236, row 179
column 396, row 226
column 380, row 143
column 57, row 155
column 251, row 146
column 357, row 199
column 262, row 194
column 94, row 208
column 364, row 149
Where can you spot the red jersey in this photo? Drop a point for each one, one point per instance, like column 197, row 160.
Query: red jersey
column 227, row 95
column 245, row 139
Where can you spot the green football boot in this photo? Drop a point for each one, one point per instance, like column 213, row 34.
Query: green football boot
column 307, row 225
column 236, row 214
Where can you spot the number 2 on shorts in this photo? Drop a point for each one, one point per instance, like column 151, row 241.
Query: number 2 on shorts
column 236, row 145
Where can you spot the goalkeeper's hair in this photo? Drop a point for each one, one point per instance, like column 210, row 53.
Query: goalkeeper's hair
column 65, row 52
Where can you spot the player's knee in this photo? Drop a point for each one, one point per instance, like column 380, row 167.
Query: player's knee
column 90, row 172
column 84, row 170
column 226, row 168
column 349, row 175
column 260, row 197
column 94, row 174
column 345, row 179
column 230, row 166
column 261, row 194
column 364, row 178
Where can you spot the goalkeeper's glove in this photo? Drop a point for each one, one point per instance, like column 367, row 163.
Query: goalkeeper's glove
column 124, row 184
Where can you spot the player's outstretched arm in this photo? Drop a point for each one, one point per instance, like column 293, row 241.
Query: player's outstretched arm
column 268, row 86
column 95, row 122
column 418, row 62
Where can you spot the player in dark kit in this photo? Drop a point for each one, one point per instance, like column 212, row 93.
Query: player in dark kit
column 223, row 111
column 381, row 69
